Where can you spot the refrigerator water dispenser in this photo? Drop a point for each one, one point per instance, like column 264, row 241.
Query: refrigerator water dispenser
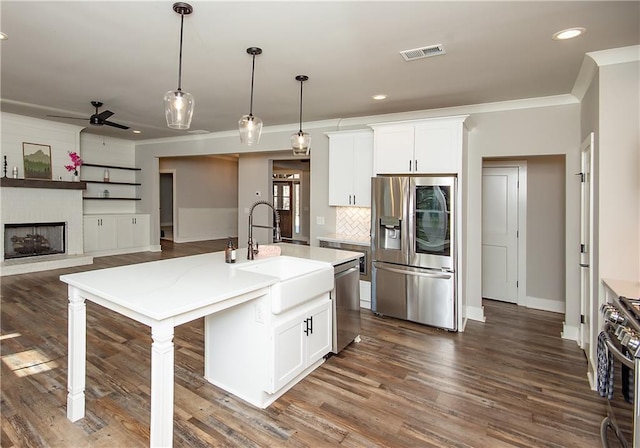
column 390, row 232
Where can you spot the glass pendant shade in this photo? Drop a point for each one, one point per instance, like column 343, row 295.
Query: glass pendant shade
column 178, row 108
column 250, row 129
column 301, row 143
column 178, row 105
column 250, row 126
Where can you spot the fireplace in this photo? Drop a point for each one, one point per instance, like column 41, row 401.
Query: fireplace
column 34, row 239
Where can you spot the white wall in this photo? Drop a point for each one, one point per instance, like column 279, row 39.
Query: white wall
column 27, row 205
column 108, row 151
column 63, row 138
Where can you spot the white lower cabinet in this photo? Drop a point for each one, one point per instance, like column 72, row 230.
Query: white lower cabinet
column 133, row 231
column 115, row 234
column 300, row 342
column 100, row 233
column 257, row 355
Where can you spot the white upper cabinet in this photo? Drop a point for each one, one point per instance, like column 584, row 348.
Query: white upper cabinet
column 350, row 168
column 422, row 146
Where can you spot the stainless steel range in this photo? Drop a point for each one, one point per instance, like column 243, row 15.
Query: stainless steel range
column 619, row 372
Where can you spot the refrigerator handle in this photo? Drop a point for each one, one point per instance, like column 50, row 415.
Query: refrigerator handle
column 417, row 273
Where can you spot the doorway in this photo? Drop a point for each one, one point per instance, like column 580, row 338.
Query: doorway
column 504, row 231
column 167, row 204
column 588, row 309
column 291, row 197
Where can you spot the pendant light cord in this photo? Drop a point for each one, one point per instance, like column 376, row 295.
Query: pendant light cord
column 253, row 69
column 301, row 82
column 180, row 64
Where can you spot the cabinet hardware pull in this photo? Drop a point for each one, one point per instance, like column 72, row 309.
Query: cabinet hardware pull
column 311, row 324
column 409, row 165
column 354, row 199
column 306, row 328
column 416, row 165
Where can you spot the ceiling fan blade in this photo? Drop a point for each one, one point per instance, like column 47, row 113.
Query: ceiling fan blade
column 70, row 118
column 115, row 125
column 104, row 115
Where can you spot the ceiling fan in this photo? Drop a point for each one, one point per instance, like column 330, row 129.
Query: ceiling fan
column 97, row 119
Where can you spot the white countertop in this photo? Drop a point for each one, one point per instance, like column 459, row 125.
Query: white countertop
column 347, row 239
column 167, row 288
column 624, row 288
column 163, row 289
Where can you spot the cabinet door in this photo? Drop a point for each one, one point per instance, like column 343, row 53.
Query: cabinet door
column 100, row 233
column 133, row 231
column 438, row 147
column 393, row 149
column 288, row 352
column 90, row 233
column 341, row 175
column 125, row 231
column 362, row 168
column 140, row 231
column 318, row 327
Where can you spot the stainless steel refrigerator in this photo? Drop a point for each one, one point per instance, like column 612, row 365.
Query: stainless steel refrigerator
column 413, row 248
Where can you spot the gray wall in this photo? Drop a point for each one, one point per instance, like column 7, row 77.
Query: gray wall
column 204, row 181
column 618, row 165
column 546, row 227
column 522, row 133
column 206, row 196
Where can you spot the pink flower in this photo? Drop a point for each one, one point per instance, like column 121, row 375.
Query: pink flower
column 76, row 161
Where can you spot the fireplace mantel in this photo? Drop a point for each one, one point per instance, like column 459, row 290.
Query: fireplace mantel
column 42, row 183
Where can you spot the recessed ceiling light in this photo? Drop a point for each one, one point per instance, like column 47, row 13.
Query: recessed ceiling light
column 569, row 33
column 379, row 97
column 3, row 36
column 137, row 132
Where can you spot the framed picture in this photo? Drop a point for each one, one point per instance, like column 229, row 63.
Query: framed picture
column 37, row 161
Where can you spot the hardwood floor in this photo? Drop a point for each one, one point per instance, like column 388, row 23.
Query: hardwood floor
column 510, row 382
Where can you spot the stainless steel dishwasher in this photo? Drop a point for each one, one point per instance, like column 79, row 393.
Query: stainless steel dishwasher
column 345, row 299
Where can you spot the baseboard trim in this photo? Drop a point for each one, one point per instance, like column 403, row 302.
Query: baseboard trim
column 570, row 332
column 556, row 306
column 476, row 313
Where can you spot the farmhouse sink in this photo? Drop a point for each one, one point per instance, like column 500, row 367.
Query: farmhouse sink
column 300, row 279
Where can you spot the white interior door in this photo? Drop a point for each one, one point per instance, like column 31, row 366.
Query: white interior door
column 500, row 233
column 586, row 295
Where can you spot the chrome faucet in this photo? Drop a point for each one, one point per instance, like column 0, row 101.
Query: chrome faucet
column 250, row 250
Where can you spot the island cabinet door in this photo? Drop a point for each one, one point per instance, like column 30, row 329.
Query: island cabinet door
column 318, row 333
column 288, row 353
column 299, row 342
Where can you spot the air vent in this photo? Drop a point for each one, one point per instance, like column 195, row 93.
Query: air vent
column 423, row 52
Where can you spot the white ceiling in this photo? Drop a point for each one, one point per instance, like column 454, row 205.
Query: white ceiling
column 61, row 55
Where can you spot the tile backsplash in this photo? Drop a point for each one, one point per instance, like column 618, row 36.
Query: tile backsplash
column 353, row 221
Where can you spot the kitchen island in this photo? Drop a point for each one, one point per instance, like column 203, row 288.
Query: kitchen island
column 160, row 294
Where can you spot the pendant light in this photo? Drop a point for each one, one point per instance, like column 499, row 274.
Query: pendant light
column 301, row 141
column 250, row 126
column 178, row 105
